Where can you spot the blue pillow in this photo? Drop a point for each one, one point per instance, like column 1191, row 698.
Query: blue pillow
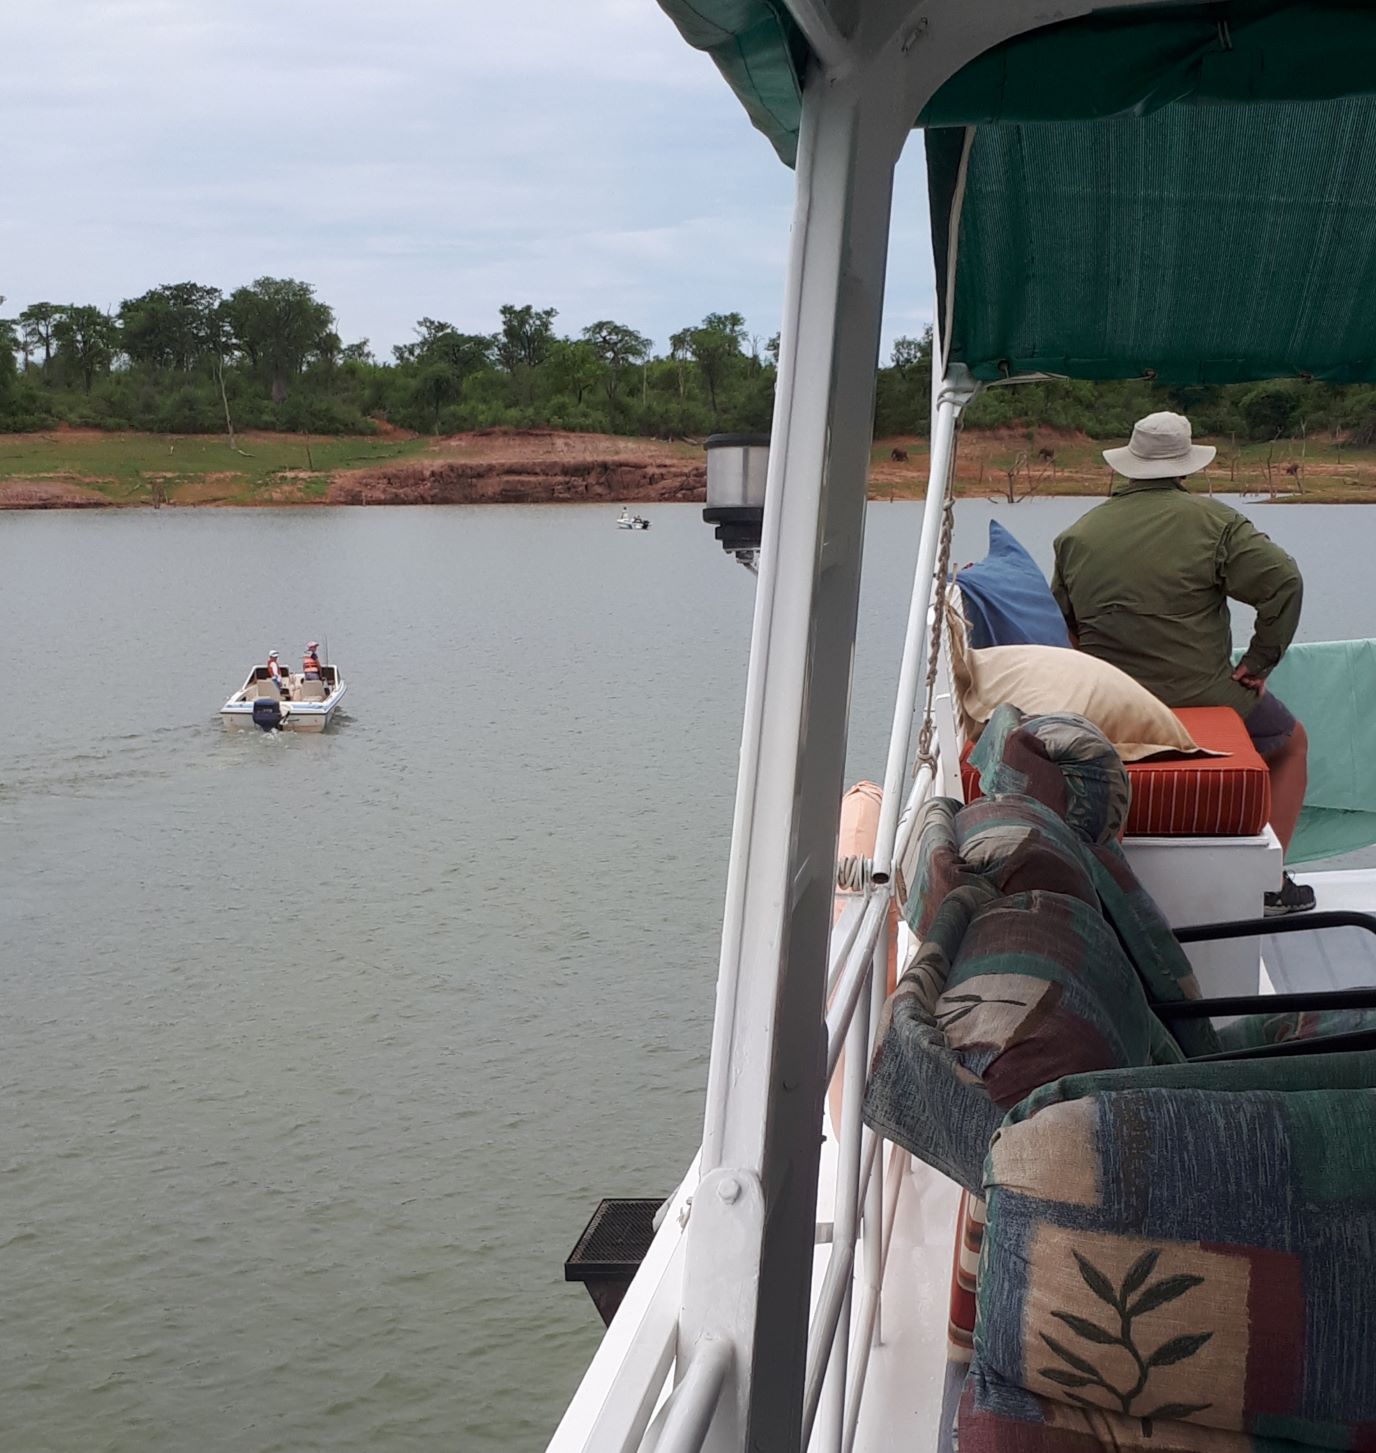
column 1007, row 599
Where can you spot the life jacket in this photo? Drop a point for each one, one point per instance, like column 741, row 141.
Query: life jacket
column 311, row 664
column 275, row 670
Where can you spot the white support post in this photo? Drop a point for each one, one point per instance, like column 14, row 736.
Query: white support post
column 820, row 22
column 913, row 671
column 845, row 1216
column 874, row 1193
column 867, row 1331
column 750, row 1236
column 749, row 1243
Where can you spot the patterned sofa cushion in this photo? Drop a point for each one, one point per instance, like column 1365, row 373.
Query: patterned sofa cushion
column 1069, row 766
column 1012, row 844
column 1063, row 761
column 1125, row 1300
column 1006, row 993
column 960, row 1322
column 995, row 1417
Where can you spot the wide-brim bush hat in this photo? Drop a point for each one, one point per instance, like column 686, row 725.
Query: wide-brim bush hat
column 1162, row 447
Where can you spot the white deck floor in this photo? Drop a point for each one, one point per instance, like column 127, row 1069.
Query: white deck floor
column 907, row 1370
column 1336, row 958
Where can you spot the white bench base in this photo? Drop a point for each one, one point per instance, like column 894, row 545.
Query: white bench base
column 1212, row 880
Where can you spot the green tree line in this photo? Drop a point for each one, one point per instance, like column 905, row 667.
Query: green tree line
column 188, row 358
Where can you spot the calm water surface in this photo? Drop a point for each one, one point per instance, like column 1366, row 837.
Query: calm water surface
column 316, row 1052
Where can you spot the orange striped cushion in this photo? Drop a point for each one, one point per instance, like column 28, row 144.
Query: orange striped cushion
column 1173, row 796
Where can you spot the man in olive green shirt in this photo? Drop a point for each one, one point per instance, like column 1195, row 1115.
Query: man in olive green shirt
column 1144, row 581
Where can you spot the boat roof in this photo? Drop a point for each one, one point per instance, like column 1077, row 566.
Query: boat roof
column 1185, row 193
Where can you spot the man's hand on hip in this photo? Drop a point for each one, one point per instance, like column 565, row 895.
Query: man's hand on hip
column 1253, row 683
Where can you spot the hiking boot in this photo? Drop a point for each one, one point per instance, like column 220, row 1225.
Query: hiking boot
column 1293, row 897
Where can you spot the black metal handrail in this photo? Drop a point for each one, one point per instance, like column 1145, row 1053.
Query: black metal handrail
column 1265, row 927
column 1363, row 997
column 1356, row 1039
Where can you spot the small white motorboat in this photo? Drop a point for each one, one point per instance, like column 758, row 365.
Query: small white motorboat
column 627, row 521
column 297, row 704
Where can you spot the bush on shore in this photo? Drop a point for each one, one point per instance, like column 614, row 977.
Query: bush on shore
column 184, row 357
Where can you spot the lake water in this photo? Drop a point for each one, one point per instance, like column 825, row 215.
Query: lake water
column 316, row 1052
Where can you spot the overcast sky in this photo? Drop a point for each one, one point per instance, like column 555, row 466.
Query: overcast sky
column 421, row 157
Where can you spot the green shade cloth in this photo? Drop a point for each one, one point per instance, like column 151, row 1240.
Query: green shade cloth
column 1099, row 65
column 1125, row 212
column 761, row 53
column 1327, row 686
column 1198, row 244
column 1139, row 61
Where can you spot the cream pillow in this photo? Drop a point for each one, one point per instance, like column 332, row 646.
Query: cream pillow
column 1039, row 679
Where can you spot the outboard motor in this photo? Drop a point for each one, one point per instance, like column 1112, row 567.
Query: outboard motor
column 267, row 713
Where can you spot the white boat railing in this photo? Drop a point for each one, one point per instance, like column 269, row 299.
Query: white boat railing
column 621, row 1405
column 648, row 1392
column 624, row 1382
column 839, row 1344
column 750, row 1359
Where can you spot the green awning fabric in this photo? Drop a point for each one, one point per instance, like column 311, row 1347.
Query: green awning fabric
column 1197, row 244
column 1184, row 192
column 1187, row 194
column 1096, row 66
column 1137, row 61
column 761, row 53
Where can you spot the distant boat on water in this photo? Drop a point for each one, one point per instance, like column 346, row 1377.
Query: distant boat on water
column 628, row 521
column 297, row 704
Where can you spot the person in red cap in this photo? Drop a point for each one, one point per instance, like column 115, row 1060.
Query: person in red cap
column 310, row 664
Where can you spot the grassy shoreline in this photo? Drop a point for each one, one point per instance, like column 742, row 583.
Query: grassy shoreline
column 72, row 468
column 124, row 469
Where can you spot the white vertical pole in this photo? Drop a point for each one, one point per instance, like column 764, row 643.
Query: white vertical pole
column 914, row 668
column 874, row 1194
column 845, row 1217
column 750, row 1237
column 915, row 641
column 867, row 1332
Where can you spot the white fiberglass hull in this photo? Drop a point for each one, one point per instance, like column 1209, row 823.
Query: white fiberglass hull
column 297, row 716
column 303, row 706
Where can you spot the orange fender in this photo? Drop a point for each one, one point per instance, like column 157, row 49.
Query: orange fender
column 859, row 830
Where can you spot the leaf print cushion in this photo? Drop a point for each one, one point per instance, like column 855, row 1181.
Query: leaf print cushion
column 1170, row 1268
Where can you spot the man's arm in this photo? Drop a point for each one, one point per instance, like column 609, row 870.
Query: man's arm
column 1062, row 598
column 1256, row 571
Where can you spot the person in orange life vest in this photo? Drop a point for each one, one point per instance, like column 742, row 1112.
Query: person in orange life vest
column 277, row 674
column 310, row 665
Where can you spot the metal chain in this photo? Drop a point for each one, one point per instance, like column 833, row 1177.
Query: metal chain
column 925, row 755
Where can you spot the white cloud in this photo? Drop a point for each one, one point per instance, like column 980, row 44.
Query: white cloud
column 432, row 157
